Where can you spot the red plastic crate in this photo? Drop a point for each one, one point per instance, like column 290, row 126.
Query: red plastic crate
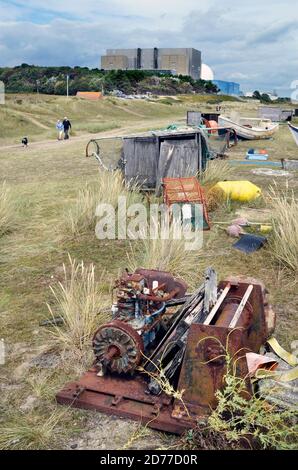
column 184, row 190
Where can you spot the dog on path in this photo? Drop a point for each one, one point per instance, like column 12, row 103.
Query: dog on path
column 25, row 142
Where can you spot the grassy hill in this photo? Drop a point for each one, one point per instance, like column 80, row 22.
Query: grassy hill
column 36, row 115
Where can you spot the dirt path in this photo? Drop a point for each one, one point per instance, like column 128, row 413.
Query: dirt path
column 129, row 111
column 42, row 144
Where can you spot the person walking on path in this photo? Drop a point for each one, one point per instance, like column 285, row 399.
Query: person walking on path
column 66, row 127
column 60, row 129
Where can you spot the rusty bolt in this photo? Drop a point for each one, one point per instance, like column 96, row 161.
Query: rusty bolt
column 215, row 354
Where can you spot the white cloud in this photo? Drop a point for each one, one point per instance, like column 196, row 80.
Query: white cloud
column 254, row 42
column 137, row 8
column 8, row 12
column 239, row 76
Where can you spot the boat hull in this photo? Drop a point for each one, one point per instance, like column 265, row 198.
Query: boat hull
column 249, row 133
column 294, row 132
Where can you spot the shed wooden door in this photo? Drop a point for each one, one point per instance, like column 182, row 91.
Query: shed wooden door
column 141, row 156
column 178, row 159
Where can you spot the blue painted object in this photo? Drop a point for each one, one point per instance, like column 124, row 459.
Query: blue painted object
column 255, row 163
column 257, row 156
column 228, row 88
column 249, row 243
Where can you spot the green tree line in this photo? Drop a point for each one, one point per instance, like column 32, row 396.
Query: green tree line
column 52, row 80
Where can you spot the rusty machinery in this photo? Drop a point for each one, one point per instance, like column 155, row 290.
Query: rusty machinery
column 139, row 319
column 155, row 325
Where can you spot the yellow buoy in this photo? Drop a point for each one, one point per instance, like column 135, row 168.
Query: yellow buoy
column 243, row 191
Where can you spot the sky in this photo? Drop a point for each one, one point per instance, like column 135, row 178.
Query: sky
column 253, row 43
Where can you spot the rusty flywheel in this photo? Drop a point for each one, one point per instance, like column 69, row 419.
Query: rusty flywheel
column 118, row 347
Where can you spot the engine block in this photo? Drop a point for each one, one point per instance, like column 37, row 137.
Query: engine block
column 139, row 316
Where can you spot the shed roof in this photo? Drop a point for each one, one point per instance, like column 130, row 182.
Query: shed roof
column 89, row 95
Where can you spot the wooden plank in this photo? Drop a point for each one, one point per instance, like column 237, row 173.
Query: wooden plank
column 217, row 305
column 241, row 307
column 178, row 159
column 210, row 295
column 141, row 156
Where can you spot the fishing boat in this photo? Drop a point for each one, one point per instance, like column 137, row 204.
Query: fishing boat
column 249, row 128
column 294, row 131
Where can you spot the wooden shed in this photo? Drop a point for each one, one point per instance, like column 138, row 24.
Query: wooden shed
column 150, row 158
column 274, row 113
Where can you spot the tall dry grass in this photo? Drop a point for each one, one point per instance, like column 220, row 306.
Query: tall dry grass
column 27, row 433
column 166, row 255
column 110, row 186
column 216, row 170
column 7, row 210
column 81, row 304
column 80, row 218
column 284, row 240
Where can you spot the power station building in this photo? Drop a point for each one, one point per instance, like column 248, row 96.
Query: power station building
column 178, row 61
column 227, row 88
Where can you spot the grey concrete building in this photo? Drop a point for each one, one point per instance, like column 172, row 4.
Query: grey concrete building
column 179, row 61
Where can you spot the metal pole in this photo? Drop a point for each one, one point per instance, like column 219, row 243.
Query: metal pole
column 37, row 89
column 67, row 85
